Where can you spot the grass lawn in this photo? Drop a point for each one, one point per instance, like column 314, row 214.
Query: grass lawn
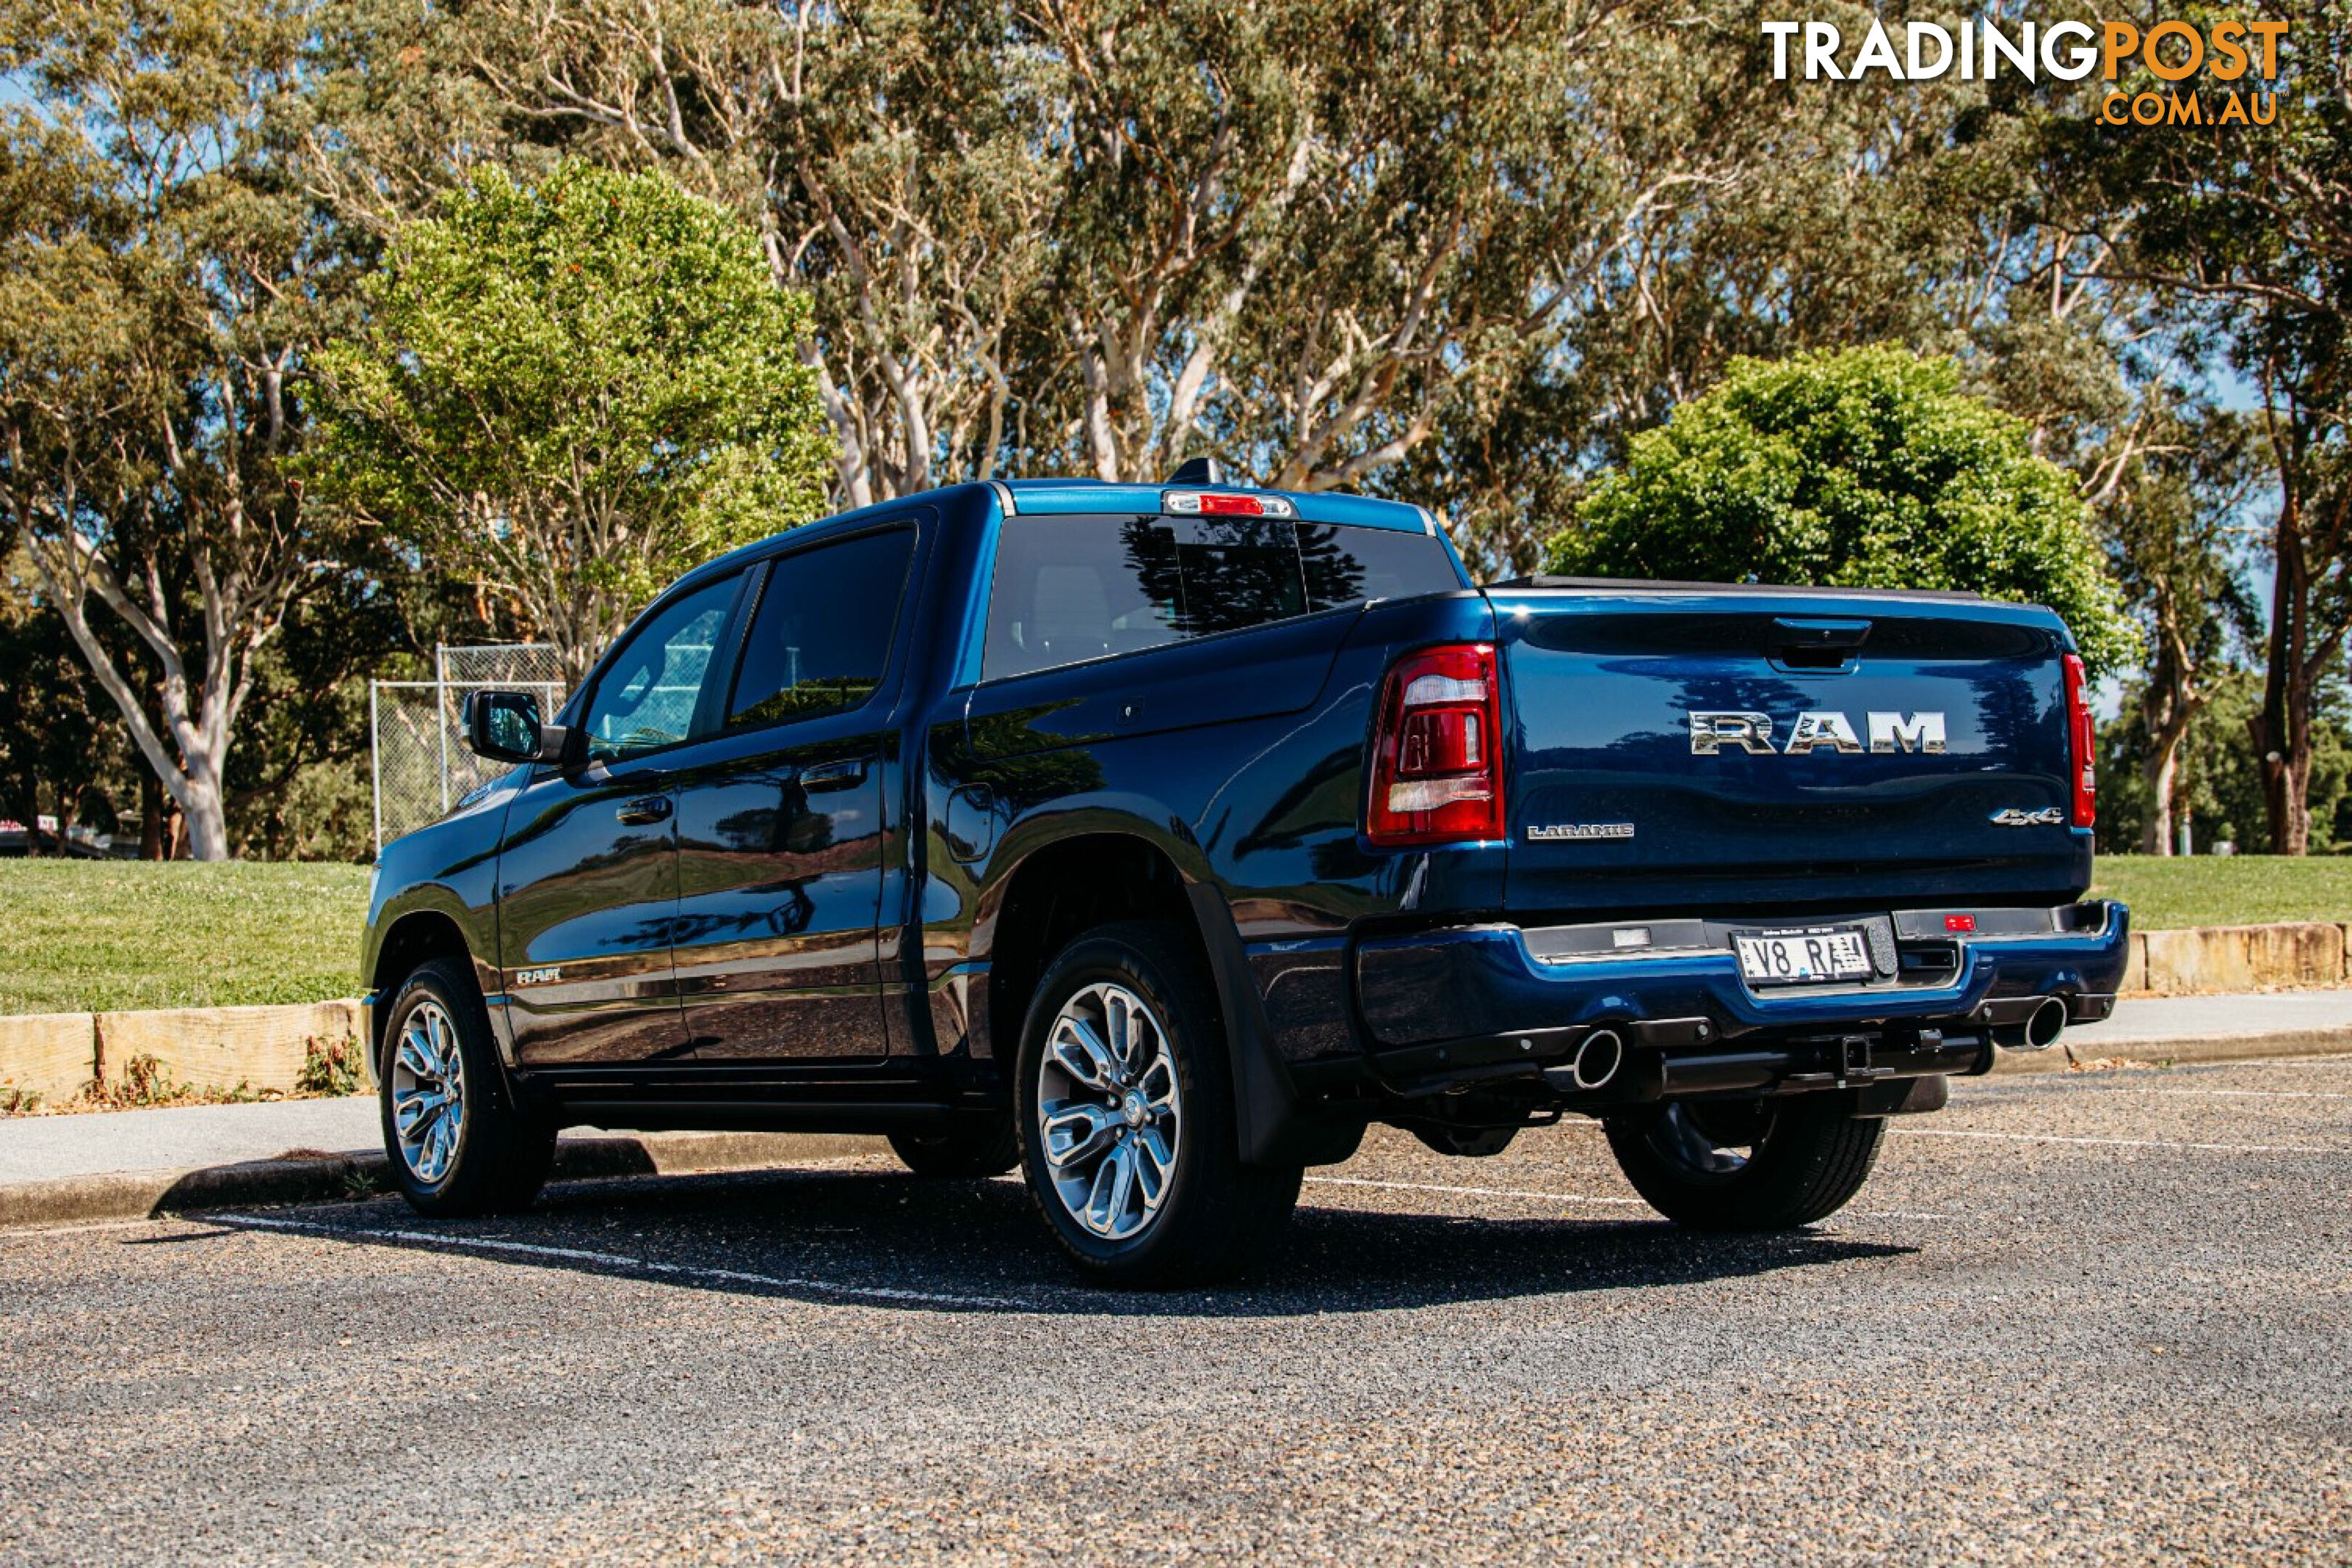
column 2231, row 891
column 95, row 936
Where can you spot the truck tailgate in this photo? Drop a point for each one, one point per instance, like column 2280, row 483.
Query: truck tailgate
column 1758, row 750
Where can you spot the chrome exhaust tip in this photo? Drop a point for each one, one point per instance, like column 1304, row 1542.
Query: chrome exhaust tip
column 1598, row 1058
column 2040, row 1029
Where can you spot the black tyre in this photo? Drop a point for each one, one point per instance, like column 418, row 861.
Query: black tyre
column 1127, row 1117
column 983, row 1146
column 1745, row 1165
column 457, row 1142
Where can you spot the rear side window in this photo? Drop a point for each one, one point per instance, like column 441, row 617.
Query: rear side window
column 1074, row 588
column 819, row 640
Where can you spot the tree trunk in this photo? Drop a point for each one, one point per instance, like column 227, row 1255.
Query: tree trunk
column 206, row 815
column 151, row 816
column 2166, row 723
column 2281, row 731
column 2162, row 769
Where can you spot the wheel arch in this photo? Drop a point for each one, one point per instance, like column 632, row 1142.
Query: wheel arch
column 1061, row 888
column 416, row 937
column 1111, row 871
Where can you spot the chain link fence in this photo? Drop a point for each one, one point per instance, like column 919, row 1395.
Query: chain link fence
column 417, row 727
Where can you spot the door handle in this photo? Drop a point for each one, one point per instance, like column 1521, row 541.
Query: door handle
column 645, row 809
column 834, row 775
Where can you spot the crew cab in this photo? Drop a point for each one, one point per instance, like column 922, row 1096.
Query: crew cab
column 1158, row 839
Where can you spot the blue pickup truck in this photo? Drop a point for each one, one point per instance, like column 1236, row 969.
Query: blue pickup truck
column 1158, row 839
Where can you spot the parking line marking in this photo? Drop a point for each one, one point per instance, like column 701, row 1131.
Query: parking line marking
column 1564, row 1197
column 2123, row 1142
column 2256, row 1094
column 1471, row 1192
column 620, row 1260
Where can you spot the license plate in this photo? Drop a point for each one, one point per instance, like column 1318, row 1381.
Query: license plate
column 1802, row 954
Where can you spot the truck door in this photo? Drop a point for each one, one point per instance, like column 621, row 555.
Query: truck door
column 588, row 873
column 779, row 815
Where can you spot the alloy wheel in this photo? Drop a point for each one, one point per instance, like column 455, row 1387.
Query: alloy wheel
column 1110, row 1113
column 428, row 1092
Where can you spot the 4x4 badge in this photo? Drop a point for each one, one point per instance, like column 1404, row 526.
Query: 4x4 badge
column 2013, row 817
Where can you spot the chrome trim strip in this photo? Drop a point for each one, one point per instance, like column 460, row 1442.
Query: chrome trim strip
column 1004, row 496
column 1632, row 956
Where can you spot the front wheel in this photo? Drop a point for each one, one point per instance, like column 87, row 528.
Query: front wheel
column 1745, row 1165
column 456, row 1142
column 1129, row 1135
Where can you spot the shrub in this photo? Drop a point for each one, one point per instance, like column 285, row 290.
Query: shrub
column 1864, row 468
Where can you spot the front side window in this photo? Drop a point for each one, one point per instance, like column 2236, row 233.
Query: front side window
column 645, row 698
column 1074, row 588
column 820, row 642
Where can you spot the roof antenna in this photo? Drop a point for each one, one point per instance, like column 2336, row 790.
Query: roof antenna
column 1199, row 472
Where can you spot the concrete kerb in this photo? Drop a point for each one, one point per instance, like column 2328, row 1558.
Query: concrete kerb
column 2182, row 1053
column 139, row 1194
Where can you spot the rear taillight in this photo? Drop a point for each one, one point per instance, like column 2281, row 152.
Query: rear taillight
column 1437, row 764
column 2081, row 745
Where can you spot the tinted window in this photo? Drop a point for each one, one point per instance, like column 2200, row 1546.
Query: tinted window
column 1072, row 588
column 821, row 640
column 647, row 696
column 1348, row 566
column 1068, row 588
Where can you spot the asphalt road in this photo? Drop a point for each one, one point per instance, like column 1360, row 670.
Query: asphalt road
column 2077, row 1318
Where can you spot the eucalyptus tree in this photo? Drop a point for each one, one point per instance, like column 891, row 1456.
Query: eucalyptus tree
column 1104, row 238
column 2249, row 228
column 2178, row 551
column 161, row 275
column 1823, row 215
column 890, row 155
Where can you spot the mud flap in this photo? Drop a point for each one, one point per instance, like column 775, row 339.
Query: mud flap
column 1903, row 1096
column 1273, row 1129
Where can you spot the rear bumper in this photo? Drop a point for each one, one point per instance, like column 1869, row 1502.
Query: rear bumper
column 1440, row 1008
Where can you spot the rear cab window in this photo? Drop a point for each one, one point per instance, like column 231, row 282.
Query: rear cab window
column 1069, row 589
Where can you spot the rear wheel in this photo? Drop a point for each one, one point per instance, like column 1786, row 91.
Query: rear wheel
column 1129, row 1140
column 1745, row 1165
column 967, row 1151
column 457, row 1142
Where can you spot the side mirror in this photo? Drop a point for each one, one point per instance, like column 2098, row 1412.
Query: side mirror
column 504, row 727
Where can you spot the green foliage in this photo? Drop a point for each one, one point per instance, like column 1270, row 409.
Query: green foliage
column 54, row 719
column 2218, row 788
column 332, row 1067
column 1863, row 468
column 570, row 393
column 162, row 268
